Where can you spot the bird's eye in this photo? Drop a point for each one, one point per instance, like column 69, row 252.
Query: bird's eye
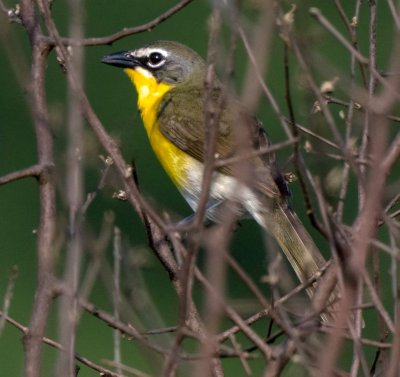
column 156, row 59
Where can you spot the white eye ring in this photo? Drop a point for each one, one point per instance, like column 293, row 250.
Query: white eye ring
column 155, row 59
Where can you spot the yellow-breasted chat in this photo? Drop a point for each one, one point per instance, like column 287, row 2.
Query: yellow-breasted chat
column 170, row 81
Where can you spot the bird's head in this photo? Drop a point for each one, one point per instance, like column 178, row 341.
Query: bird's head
column 167, row 62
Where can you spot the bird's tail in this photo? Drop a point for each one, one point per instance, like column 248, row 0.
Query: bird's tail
column 294, row 240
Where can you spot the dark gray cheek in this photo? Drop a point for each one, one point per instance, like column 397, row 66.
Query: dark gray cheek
column 174, row 74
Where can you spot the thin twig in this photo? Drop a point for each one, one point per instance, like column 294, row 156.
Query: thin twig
column 117, row 295
column 69, row 309
column 357, row 106
column 393, row 368
column 32, row 171
column 298, row 161
column 392, row 154
column 259, row 152
column 133, row 371
column 3, row 8
column 318, row 137
column 234, row 316
column 268, row 308
column 8, row 296
column 264, row 86
column 25, row 330
column 92, row 195
column 361, row 58
column 395, row 13
column 377, row 303
column 371, row 91
column 110, row 39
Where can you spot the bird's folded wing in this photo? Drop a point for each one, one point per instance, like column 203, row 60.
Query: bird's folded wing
column 184, row 126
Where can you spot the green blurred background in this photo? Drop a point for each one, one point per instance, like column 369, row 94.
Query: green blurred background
column 114, row 100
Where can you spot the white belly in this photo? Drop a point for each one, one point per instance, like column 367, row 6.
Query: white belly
column 222, row 187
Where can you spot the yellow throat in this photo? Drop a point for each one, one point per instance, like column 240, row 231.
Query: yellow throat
column 150, row 94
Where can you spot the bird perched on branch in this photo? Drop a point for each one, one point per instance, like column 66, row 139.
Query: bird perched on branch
column 171, row 85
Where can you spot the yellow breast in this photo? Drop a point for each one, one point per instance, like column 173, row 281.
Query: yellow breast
column 150, row 94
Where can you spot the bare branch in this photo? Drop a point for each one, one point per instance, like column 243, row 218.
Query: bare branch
column 353, row 140
column 44, row 292
column 110, row 39
column 33, row 171
column 25, row 330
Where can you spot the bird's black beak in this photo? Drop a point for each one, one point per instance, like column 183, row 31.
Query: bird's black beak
column 122, row 59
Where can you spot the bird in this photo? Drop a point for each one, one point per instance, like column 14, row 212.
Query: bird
column 170, row 80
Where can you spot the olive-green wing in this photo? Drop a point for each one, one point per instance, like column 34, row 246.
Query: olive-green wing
column 182, row 118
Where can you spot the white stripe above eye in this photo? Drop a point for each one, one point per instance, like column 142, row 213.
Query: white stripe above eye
column 146, row 51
